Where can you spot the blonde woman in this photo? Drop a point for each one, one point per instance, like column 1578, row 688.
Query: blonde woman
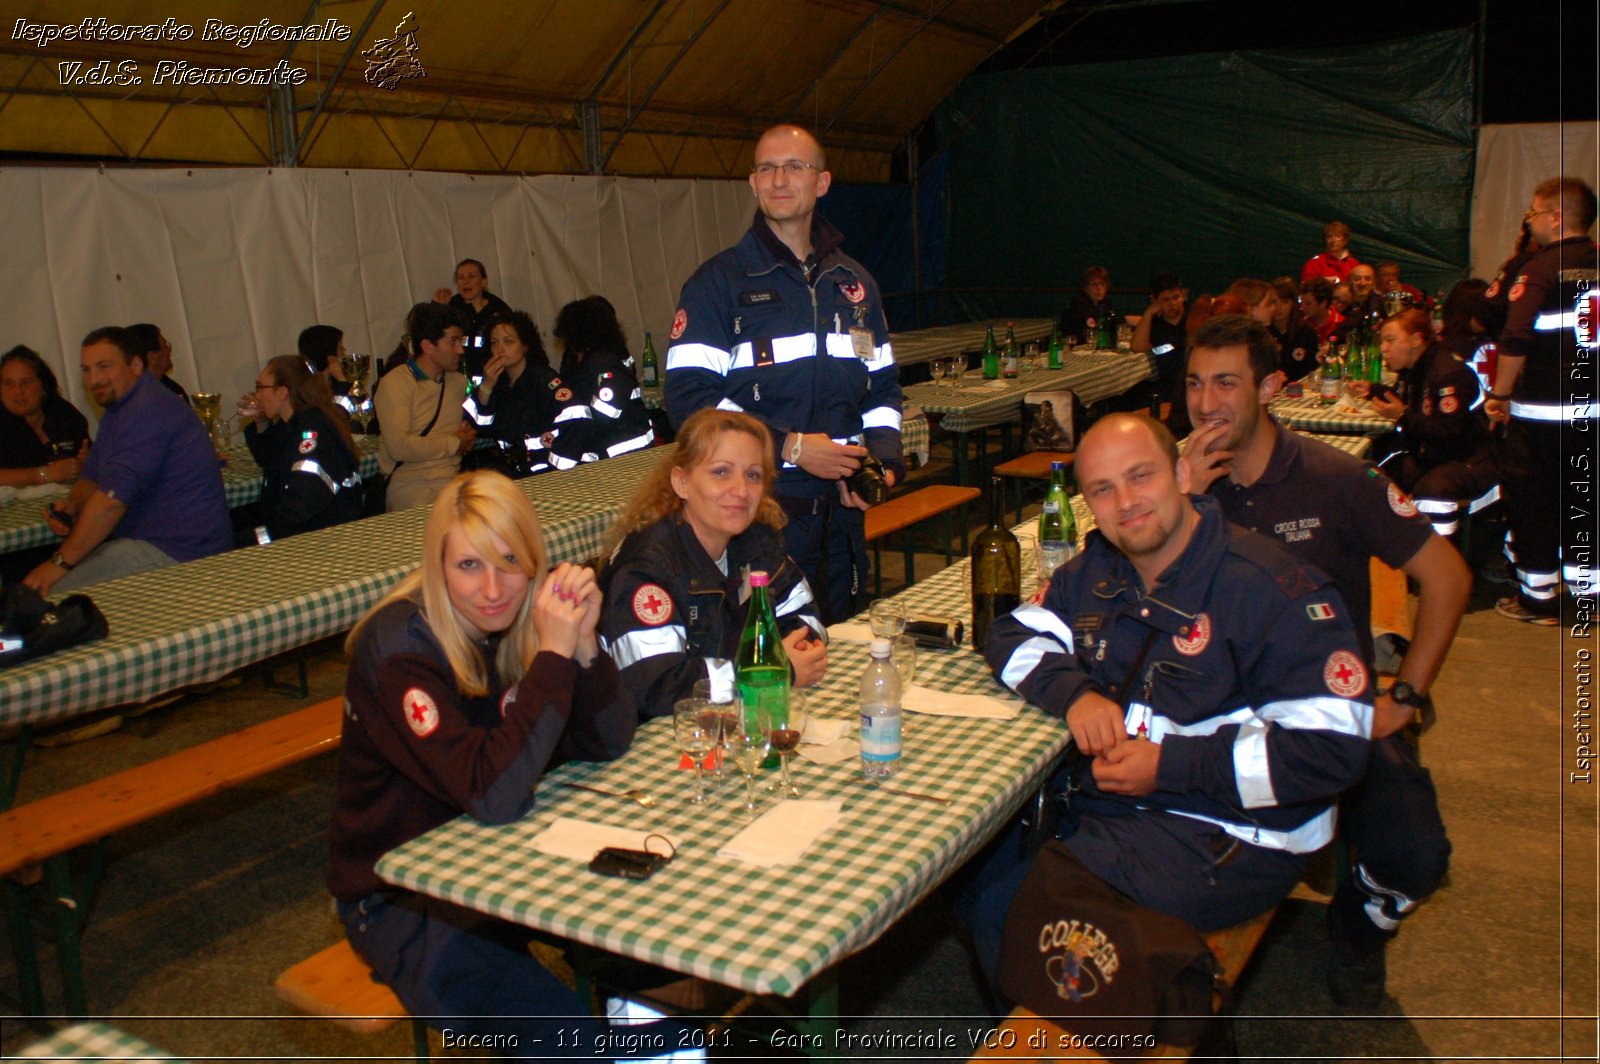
column 681, row 555
column 465, row 682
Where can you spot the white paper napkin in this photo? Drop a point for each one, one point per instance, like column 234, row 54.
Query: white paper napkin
column 780, row 835
column 944, row 704
column 33, row 491
column 579, row 840
column 841, row 749
column 846, row 632
column 823, row 730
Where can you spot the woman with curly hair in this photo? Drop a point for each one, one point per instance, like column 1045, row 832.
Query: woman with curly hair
column 681, row 556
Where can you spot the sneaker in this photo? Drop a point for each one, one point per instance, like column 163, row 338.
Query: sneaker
column 1512, row 607
column 1357, row 973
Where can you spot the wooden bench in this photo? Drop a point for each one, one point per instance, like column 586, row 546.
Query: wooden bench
column 37, row 839
column 905, row 511
column 1035, row 465
column 338, row 986
column 1025, row 1035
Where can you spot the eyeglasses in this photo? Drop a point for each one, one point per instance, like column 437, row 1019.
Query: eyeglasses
column 792, row 168
column 1531, row 215
column 262, row 386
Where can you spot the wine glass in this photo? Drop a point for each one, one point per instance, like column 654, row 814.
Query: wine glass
column 722, row 700
column 888, row 618
column 749, row 741
column 698, row 730
column 786, row 736
column 936, row 370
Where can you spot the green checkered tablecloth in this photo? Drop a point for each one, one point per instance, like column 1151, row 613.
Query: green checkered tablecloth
column 941, row 341
column 204, row 619
column 762, row 931
column 1092, row 375
column 95, row 1041
column 23, row 526
column 1307, row 414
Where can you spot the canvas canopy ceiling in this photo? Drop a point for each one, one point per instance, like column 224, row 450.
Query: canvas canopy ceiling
column 672, row 88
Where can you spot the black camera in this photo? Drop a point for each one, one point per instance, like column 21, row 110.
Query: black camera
column 869, row 482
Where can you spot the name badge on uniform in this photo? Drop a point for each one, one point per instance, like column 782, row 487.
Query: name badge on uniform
column 861, row 341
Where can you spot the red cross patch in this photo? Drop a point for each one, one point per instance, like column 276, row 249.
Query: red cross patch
column 1198, row 638
column 1517, row 288
column 853, row 291
column 605, row 395
column 547, row 439
column 652, row 605
column 1344, row 674
column 563, row 394
column 506, row 699
column 420, row 711
column 1448, row 405
column 680, row 322
column 308, row 445
column 1400, row 502
column 1493, row 290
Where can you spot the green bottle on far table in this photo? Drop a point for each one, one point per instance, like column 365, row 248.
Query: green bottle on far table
column 649, row 368
column 1055, row 347
column 991, row 357
column 761, row 667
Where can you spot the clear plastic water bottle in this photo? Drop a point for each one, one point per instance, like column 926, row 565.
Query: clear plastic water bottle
column 880, row 714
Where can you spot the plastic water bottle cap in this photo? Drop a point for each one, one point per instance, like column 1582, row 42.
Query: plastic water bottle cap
column 880, row 648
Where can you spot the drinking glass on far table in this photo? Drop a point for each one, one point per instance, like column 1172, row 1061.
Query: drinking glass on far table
column 748, row 743
column 936, row 367
column 888, row 617
column 786, row 739
column 1030, row 355
column 699, row 731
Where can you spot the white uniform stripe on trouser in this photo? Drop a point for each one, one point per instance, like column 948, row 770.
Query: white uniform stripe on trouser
column 647, row 643
column 644, row 439
column 1581, row 580
column 1309, row 837
column 1488, row 498
column 1545, row 586
column 1380, row 899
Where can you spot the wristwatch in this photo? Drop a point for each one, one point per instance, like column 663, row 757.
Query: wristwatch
column 57, row 559
column 1492, row 394
column 794, row 452
column 1407, row 695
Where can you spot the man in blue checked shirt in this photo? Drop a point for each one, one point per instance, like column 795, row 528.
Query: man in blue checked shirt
column 1214, row 680
column 785, row 326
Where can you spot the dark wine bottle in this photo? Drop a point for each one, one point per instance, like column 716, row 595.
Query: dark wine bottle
column 996, row 568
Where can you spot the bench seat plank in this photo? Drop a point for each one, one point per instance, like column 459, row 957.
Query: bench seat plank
column 62, row 822
column 903, row 511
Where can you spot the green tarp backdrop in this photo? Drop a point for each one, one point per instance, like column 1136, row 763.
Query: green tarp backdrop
column 1213, row 166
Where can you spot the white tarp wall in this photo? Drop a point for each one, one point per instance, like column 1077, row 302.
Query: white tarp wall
column 233, row 263
column 1511, row 161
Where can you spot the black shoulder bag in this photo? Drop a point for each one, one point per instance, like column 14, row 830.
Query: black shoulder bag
column 376, row 499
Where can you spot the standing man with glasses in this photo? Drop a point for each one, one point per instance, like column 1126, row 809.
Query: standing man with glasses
column 785, row 326
column 1544, row 392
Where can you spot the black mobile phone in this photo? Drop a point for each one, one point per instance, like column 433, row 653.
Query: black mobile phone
column 62, row 515
column 1380, row 392
column 626, row 864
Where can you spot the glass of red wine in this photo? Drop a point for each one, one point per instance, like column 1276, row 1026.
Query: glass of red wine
column 786, row 738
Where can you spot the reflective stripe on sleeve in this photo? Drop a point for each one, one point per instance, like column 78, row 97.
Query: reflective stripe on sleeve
column 1250, row 771
column 698, row 356
column 1551, row 411
column 306, row 465
column 644, row 439
column 881, row 417
column 645, row 643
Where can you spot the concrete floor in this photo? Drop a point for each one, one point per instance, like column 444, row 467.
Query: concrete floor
column 201, row 909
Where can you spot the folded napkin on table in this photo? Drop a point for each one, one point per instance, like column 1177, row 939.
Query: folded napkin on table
column 823, row 730
column 579, row 840
column 847, row 632
column 946, row 704
column 781, row 834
